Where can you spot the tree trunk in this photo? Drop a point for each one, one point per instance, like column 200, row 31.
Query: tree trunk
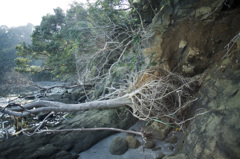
column 46, row 106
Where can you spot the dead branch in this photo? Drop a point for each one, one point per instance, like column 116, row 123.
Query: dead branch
column 86, row 129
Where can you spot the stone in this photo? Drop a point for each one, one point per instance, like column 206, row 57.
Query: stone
column 162, row 17
column 182, row 44
column 132, row 142
column 193, row 61
column 160, row 130
column 181, row 48
column 160, row 155
column 172, row 140
column 150, row 144
column 188, row 69
column 191, row 54
column 118, row 146
column 202, row 11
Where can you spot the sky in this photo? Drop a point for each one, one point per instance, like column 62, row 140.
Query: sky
column 15, row 13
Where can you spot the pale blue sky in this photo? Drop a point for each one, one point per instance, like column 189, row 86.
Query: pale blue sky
column 20, row 12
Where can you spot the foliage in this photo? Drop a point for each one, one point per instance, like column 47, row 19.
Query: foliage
column 83, row 38
column 9, row 38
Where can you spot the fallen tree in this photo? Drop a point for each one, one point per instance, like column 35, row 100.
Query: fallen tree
column 155, row 94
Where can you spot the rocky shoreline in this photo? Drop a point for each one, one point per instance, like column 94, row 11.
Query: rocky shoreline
column 111, row 146
column 67, row 144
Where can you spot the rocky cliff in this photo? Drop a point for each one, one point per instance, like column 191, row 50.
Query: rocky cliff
column 203, row 38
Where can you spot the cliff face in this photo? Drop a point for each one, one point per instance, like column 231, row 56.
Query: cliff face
column 190, row 37
column 216, row 134
column 203, row 38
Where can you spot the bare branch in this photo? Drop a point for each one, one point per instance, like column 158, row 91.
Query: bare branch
column 88, row 129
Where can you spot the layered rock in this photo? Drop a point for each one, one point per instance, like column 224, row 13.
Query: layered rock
column 66, row 144
column 216, row 134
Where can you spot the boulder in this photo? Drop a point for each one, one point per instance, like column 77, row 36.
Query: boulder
column 159, row 130
column 132, row 142
column 150, row 144
column 202, row 11
column 118, row 146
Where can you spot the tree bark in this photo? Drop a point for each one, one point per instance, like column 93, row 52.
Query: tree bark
column 46, row 106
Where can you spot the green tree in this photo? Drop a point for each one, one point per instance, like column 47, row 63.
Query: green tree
column 48, row 44
column 9, row 38
column 83, row 39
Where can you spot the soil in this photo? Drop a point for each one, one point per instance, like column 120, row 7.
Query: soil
column 209, row 36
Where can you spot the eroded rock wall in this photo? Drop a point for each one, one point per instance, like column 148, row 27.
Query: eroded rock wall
column 203, row 38
column 191, row 37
